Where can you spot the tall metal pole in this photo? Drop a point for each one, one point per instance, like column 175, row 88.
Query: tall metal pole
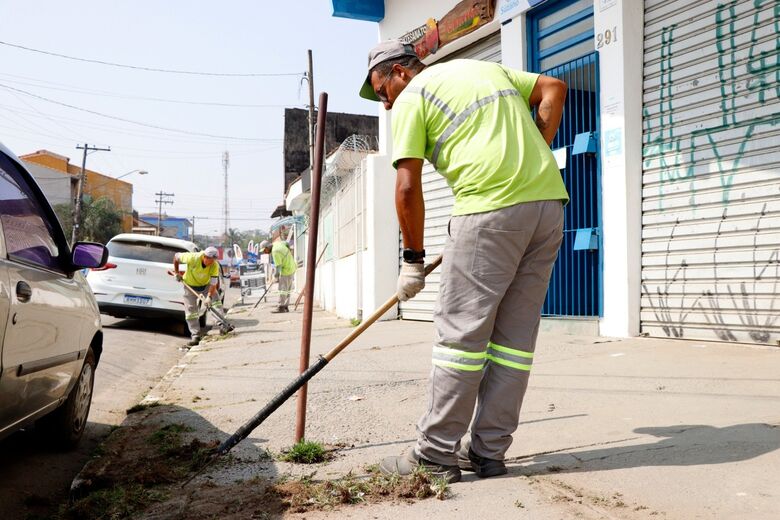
column 226, row 209
column 160, row 201
column 311, row 262
column 310, row 77
column 80, row 190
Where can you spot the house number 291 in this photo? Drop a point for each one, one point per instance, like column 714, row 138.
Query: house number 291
column 605, row 38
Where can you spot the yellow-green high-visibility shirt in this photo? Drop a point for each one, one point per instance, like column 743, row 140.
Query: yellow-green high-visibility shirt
column 472, row 120
column 197, row 274
column 283, row 258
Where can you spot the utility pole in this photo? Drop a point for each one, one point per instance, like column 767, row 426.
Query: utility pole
column 192, row 238
column 310, row 80
column 160, row 200
column 80, row 190
column 226, row 209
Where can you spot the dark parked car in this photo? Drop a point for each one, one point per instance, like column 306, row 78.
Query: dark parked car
column 50, row 334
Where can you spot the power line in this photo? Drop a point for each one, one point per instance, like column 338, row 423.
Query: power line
column 131, row 132
column 78, row 90
column 49, row 100
column 153, row 69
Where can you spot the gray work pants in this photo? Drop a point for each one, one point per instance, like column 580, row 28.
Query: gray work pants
column 494, row 278
column 285, row 286
column 191, row 313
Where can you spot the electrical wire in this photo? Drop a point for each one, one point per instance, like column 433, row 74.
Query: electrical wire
column 153, row 69
column 116, row 129
column 157, row 127
column 78, row 90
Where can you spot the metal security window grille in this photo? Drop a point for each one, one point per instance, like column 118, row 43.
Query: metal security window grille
column 561, row 45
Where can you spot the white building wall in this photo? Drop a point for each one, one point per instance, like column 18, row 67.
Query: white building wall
column 621, row 113
column 340, row 286
column 621, row 166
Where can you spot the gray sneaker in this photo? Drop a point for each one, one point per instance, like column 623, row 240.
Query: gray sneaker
column 483, row 467
column 194, row 341
column 407, row 463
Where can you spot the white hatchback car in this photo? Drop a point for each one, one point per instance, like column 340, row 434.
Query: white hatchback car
column 135, row 283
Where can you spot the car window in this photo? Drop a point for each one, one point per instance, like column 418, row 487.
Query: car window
column 29, row 235
column 146, row 251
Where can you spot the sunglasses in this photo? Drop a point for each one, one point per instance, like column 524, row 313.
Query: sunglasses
column 383, row 97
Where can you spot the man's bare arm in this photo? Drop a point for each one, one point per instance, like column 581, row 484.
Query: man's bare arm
column 409, row 203
column 548, row 96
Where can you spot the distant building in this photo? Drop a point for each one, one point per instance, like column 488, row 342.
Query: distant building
column 173, row 227
column 56, row 187
column 142, row 227
column 338, row 126
column 44, row 164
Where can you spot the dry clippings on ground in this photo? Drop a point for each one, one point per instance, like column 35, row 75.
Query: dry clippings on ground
column 141, row 466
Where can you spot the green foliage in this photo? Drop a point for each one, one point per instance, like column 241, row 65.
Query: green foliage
column 305, row 452
column 111, row 503
column 168, row 438
column 99, row 221
column 64, row 213
column 141, row 407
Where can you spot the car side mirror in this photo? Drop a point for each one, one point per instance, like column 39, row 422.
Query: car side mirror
column 89, row 254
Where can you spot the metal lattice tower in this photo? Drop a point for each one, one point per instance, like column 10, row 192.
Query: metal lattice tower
column 226, row 207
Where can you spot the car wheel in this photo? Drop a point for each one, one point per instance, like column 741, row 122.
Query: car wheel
column 65, row 425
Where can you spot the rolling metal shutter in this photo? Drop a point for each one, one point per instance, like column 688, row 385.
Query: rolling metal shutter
column 439, row 199
column 711, row 170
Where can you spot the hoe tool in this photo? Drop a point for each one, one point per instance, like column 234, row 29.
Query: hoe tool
column 244, row 431
column 224, row 325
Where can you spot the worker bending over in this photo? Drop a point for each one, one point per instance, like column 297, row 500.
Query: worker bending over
column 472, row 120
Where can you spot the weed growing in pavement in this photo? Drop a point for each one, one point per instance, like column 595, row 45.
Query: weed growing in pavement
column 355, row 322
column 221, row 337
column 110, row 503
column 141, row 407
column 305, row 452
column 304, row 494
column 168, row 438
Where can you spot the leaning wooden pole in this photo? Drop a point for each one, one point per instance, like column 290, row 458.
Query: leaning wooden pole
column 311, row 261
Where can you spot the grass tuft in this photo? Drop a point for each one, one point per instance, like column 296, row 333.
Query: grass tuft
column 305, row 452
column 141, row 407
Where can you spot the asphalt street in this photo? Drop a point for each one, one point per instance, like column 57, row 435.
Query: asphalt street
column 136, row 354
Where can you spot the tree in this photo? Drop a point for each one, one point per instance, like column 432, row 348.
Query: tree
column 101, row 222
column 100, row 219
column 234, row 236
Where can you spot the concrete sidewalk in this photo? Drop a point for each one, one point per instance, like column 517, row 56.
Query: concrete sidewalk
column 637, row 428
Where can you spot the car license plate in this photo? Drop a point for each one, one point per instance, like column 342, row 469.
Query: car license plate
column 138, row 300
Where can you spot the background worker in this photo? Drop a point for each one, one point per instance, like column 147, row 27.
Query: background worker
column 202, row 275
column 472, row 120
column 285, row 264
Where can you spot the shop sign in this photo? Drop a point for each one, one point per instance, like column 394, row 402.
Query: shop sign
column 508, row 9
column 466, row 17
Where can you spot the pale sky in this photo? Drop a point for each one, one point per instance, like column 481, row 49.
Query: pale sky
column 240, row 37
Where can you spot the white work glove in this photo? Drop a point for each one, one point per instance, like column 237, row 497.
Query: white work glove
column 207, row 301
column 410, row 281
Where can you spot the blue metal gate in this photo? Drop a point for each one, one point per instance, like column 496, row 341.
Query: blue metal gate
column 561, row 45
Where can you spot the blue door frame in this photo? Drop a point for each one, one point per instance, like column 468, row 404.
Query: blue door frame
column 576, row 287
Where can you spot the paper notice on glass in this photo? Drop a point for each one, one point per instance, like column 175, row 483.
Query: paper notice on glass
column 560, row 157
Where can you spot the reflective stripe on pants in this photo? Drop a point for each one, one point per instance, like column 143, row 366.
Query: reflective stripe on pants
column 494, row 278
column 191, row 313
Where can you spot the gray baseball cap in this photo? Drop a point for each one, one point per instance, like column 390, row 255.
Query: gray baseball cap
column 265, row 244
column 386, row 50
column 211, row 252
